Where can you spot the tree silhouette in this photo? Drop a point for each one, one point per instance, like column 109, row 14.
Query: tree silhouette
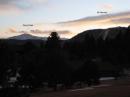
column 53, row 41
column 54, row 59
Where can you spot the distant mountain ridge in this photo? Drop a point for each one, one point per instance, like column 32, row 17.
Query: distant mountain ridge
column 109, row 33
column 30, row 37
column 27, row 37
column 101, row 33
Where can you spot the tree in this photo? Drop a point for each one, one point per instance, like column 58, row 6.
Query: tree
column 55, row 63
column 53, row 41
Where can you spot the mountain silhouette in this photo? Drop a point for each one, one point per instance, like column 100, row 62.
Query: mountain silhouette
column 109, row 33
column 28, row 37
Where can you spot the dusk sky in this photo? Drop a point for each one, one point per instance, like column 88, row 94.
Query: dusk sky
column 69, row 17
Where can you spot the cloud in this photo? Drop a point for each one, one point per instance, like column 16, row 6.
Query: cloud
column 9, row 9
column 6, row 1
column 122, row 20
column 38, row 32
column 19, row 5
column 61, row 32
column 38, row 1
column 109, row 18
column 12, row 30
column 107, row 7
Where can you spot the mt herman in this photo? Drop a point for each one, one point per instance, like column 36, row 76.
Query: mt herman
column 27, row 37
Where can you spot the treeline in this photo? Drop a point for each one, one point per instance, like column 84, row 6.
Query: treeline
column 31, row 65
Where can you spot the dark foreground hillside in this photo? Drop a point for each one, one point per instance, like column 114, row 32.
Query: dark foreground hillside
column 27, row 65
